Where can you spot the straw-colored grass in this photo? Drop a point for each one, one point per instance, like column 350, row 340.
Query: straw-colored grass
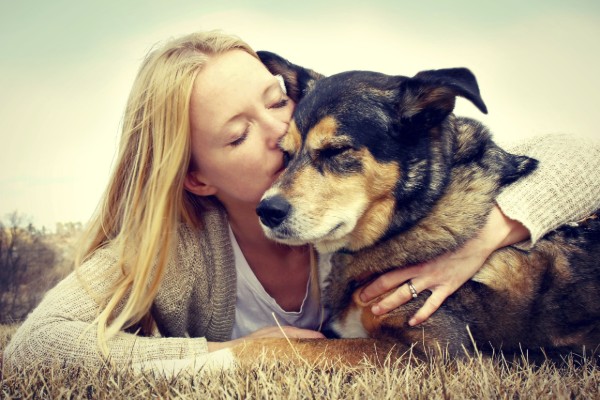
column 477, row 377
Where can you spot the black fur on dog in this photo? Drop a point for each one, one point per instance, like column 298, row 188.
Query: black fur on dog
column 383, row 174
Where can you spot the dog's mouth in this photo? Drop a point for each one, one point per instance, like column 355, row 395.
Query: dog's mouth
column 331, row 240
column 289, row 235
column 335, row 228
column 295, row 220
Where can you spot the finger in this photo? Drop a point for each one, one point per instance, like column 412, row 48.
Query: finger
column 387, row 282
column 392, row 301
column 429, row 307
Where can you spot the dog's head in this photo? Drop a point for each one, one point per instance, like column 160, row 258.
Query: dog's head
column 356, row 141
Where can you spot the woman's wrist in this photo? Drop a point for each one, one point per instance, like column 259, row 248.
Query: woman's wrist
column 501, row 231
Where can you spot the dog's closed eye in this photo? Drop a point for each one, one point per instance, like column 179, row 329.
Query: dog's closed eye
column 333, row 151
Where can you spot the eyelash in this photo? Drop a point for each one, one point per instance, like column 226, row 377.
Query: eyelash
column 280, row 104
column 242, row 138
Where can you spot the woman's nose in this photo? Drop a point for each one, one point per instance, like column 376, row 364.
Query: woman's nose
column 274, row 129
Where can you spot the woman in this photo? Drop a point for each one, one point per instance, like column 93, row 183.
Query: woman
column 177, row 265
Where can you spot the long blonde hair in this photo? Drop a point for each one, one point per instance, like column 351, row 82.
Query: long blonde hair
column 145, row 199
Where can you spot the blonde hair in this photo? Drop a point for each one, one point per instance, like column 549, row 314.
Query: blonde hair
column 145, row 199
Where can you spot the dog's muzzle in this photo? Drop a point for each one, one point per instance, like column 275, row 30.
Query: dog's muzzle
column 272, row 211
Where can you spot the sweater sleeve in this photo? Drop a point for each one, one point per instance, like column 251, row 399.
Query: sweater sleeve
column 60, row 330
column 564, row 188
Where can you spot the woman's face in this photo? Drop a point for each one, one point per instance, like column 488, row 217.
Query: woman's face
column 238, row 113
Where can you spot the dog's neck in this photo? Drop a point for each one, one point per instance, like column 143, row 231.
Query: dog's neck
column 477, row 171
column 457, row 210
column 460, row 198
column 430, row 184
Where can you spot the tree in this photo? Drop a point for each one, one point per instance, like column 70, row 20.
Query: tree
column 25, row 260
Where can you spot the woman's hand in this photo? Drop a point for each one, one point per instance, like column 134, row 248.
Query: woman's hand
column 269, row 332
column 446, row 273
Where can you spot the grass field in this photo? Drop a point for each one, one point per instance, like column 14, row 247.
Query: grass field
column 477, row 377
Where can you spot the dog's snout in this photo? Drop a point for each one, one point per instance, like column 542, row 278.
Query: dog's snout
column 273, row 211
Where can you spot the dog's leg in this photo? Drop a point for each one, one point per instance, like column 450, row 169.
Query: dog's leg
column 321, row 352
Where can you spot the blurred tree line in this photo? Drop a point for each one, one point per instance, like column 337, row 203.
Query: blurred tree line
column 31, row 262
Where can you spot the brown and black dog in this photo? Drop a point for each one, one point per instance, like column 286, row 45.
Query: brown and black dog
column 382, row 174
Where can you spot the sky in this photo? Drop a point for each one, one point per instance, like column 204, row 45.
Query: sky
column 66, row 68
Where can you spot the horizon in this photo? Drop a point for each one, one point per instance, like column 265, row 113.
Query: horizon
column 68, row 67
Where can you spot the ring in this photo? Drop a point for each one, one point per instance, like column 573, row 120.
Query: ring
column 413, row 290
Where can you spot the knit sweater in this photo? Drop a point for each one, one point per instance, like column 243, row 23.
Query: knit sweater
column 196, row 299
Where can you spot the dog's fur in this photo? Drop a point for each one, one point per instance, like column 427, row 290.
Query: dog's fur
column 383, row 174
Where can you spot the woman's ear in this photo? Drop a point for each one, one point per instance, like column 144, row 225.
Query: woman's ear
column 196, row 184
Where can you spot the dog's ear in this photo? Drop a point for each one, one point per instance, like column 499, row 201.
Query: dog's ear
column 429, row 97
column 298, row 80
column 515, row 167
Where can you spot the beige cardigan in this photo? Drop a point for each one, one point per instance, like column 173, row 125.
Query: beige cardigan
column 196, row 300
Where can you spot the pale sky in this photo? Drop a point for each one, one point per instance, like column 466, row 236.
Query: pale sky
column 66, row 67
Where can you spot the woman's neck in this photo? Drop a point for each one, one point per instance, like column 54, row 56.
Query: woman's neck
column 270, row 261
column 246, row 228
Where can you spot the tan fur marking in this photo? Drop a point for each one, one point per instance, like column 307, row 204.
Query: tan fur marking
column 415, row 102
column 574, row 339
column 317, row 352
column 322, row 132
column 380, row 182
column 370, row 321
column 292, row 140
column 321, row 202
column 515, row 273
column 314, row 190
column 504, row 272
column 441, row 96
column 375, row 186
column 364, row 201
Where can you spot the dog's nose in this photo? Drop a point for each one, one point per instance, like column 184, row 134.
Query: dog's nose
column 273, row 210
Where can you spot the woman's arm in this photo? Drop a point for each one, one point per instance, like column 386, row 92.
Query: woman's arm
column 61, row 330
column 564, row 188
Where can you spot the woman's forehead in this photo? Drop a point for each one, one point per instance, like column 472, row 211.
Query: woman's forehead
column 228, row 84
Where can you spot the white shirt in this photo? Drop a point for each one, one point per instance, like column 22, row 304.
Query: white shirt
column 255, row 308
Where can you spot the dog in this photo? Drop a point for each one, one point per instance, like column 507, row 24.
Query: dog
column 381, row 174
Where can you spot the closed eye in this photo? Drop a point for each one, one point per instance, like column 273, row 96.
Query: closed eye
column 281, row 103
column 240, row 139
column 339, row 159
column 287, row 153
column 330, row 152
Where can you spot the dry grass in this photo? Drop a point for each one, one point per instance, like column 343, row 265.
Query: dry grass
column 477, row 377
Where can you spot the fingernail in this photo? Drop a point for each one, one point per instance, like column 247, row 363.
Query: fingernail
column 363, row 296
column 412, row 322
column 375, row 310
